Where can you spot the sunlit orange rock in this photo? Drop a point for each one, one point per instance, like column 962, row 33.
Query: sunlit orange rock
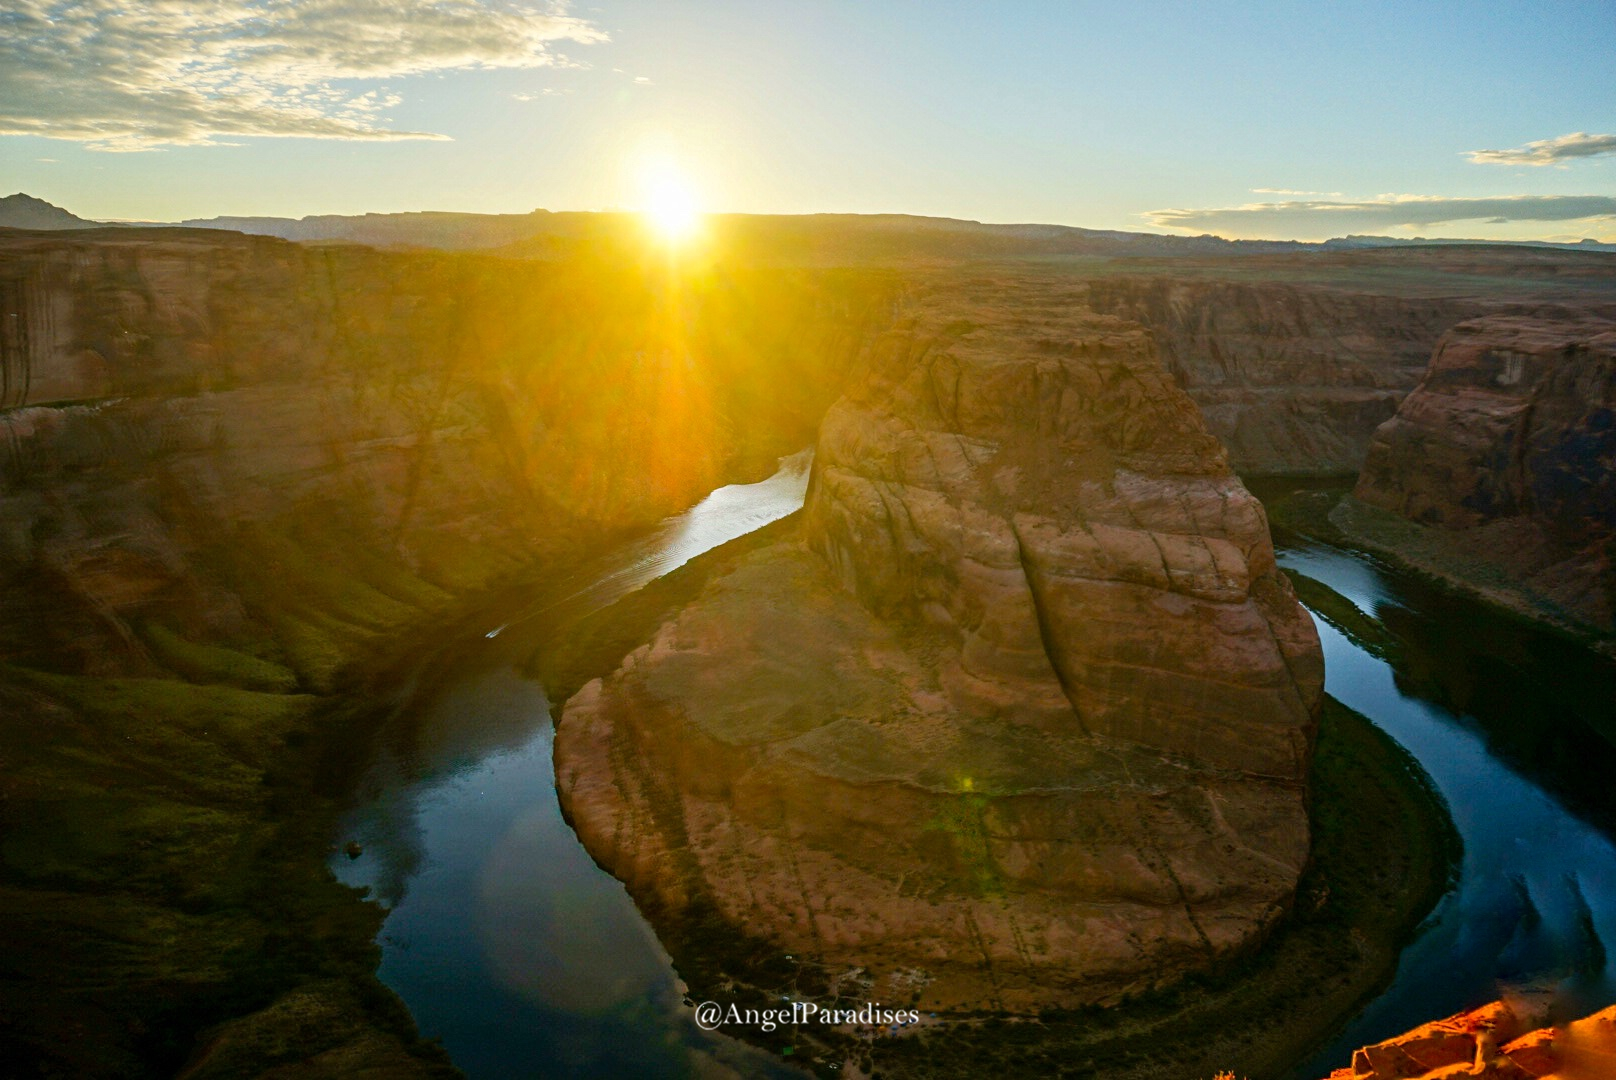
column 1494, row 1042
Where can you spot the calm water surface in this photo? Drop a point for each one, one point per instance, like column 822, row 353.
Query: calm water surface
column 1511, row 724
column 504, row 938
column 527, row 960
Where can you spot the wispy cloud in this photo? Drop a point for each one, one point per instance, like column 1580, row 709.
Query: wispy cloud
column 1319, row 218
column 1578, row 144
column 1292, row 191
column 119, row 75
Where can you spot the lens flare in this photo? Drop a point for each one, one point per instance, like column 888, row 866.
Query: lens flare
column 668, row 201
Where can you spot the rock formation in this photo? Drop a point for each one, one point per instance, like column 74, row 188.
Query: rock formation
column 1295, row 360
column 235, row 471
column 1292, row 378
column 1499, row 1041
column 1024, row 719
column 1505, row 451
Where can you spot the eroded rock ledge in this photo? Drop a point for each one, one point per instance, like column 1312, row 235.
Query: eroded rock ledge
column 1023, row 719
column 1502, row 1040
column 1503, row 453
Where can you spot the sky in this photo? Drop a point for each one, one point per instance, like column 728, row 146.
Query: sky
column 1287, row 120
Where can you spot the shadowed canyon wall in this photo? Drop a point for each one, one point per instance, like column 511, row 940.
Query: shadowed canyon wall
column 1020, row 714
column 1295, row 361
column 1505, row 450
column 181, row 400
column 237, row 473
column 1024, row 718
column 1292, row 379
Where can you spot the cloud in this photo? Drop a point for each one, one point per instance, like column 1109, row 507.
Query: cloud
column 1321, row 218
column 1291, row 191
column 120, row 75
column 1579, row 144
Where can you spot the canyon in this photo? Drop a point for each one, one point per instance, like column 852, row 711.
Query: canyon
column 1503, row 453
column 1017, row 714
column 240, row 478
column 1022, row 720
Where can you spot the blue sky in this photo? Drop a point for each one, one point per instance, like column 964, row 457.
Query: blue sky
column 1296, row 119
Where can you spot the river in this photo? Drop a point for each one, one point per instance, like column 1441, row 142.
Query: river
column 504, row 938
column 1513, row 726
column 508, row 943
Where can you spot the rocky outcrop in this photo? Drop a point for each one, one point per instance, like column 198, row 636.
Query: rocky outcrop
column 182, row 402
column 1024, row 718
column 1292, row 378
column 1504, row 451
column 235, row 474
column 1498, row 1041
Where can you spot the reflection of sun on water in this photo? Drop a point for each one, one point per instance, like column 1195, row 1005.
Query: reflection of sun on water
column 668, row 202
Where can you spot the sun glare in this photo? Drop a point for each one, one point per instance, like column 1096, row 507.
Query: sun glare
column 668, row 202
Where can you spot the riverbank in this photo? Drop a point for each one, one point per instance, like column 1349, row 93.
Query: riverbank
column 164, row 836
column 1327, row 511
column 1359, row 904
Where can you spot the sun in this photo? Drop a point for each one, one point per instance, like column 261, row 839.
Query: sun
column 668, row 201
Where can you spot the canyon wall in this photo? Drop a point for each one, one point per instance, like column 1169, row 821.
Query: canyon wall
column 1504, row 450
column 1292, row 378
column 1502, row 1040
column 1023, row 718
column 183, row 405
column 236, row 474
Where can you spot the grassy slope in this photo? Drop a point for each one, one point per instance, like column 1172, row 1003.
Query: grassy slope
column 163, row 839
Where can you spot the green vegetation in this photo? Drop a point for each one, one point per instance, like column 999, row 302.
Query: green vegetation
column 215, row 663
column 1363, row 631
column 163, row 839
column 963, row 820
column 161, row 872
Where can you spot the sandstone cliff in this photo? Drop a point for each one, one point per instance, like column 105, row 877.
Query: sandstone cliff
column 235, row 473
column 1504, row 452
column 1499, row 1041
column 1296, row 359
column 1023, row 720
column 1292, row 378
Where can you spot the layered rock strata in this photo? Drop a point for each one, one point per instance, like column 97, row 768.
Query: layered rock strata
column 184, row 406
column 1499, row 1041
column 1023, row 718
column 1292, row 378
column 236, row 475
column 1505, row 451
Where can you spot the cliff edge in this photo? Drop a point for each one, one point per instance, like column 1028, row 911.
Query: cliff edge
column 1502, row 455
column 1022, row 719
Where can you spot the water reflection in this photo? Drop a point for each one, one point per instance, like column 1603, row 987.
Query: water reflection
column 504, row 938
column 727, row 513
column 1477, row 699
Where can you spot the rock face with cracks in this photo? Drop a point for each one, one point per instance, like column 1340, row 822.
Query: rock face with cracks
column 1505, row 450
column 1024, row 716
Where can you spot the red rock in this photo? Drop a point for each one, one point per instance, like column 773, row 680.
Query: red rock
column 1027, row 725
column 1510, row 433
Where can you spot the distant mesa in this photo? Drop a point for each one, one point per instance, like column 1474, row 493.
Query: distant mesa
column 22, row 211
column 839, row 236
